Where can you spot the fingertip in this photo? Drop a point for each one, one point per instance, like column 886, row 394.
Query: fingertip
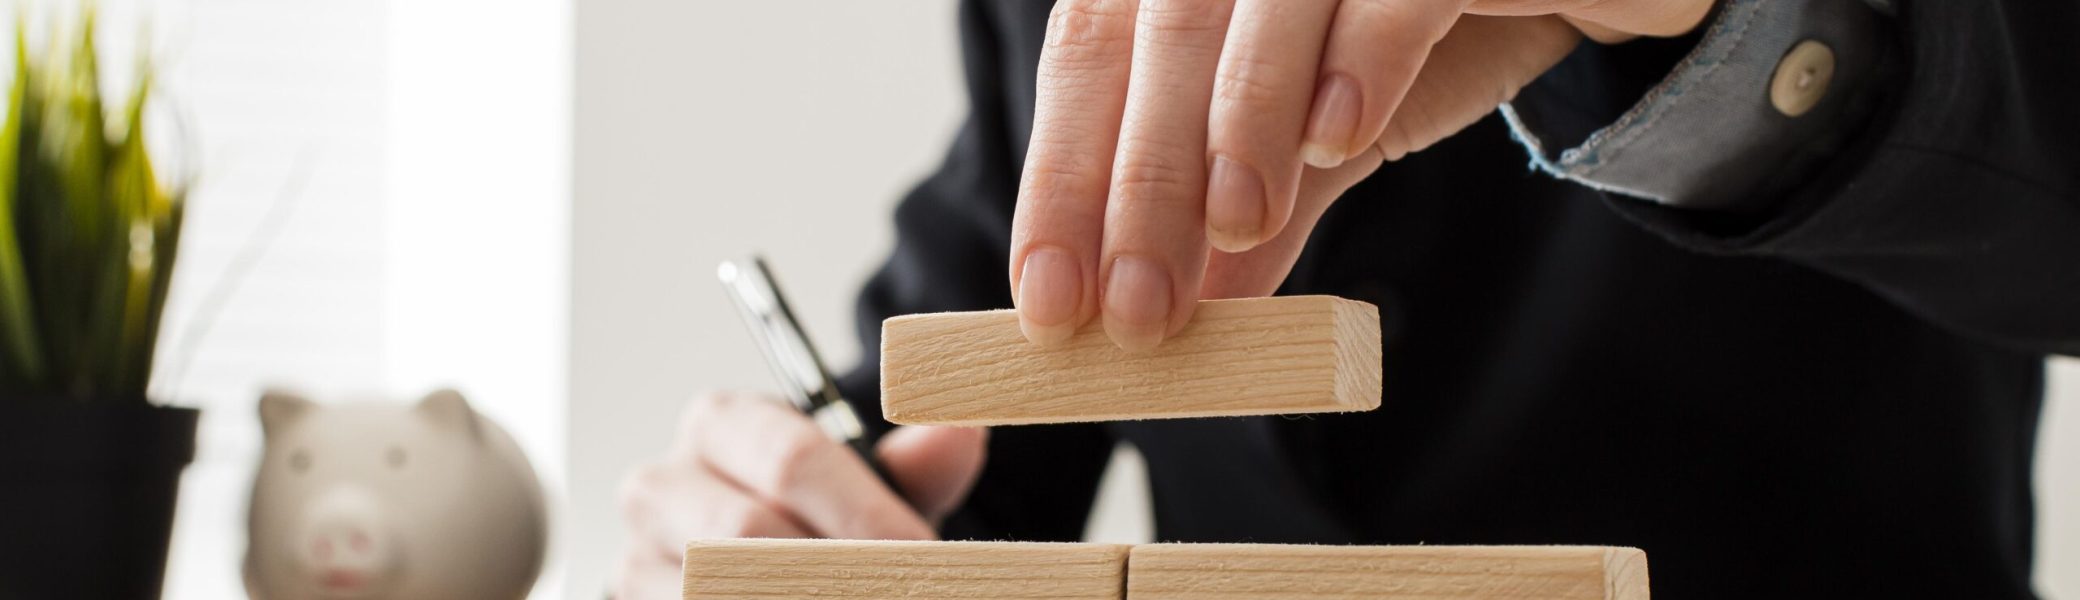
column 1050, row 295
column 1259, row 272
column 1279, row 200
column 1137, row 303
column 1321, row 156
column 1134, row 339
column 1235, row 205
column 1044, row 335
column 1333, row 121
column 1233, row 242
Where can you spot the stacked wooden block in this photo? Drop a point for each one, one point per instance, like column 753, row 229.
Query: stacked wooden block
column 1303, row 354
column 1260, row 356
column 887, row 569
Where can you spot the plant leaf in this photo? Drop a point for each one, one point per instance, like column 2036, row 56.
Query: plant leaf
column 134, row 189
column 20, row 349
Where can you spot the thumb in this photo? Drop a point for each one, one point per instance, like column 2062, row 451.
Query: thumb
column 1482, row 62
column 934, row 466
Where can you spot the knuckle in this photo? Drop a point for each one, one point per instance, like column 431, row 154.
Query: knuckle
column 1070, row 78
column 1247, row 83
column 1244, row 88
column 1051, row 181
column 1079, row 31
column 1185, row 21
column 1059, row 136
column 1154, row 178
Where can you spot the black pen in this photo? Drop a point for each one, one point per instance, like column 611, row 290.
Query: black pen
column 795, row 362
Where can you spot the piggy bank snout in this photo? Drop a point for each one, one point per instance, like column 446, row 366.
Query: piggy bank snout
column 344, row 545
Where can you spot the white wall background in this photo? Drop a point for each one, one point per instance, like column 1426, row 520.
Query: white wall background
column 2058, row 485
column 477, row 255
column 691, row 119
column 706, row 130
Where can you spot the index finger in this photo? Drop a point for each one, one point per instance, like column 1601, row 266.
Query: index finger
column 1058, row 226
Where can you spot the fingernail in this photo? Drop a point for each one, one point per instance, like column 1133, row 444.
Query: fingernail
column 1137, row 303
column 1234, row 206
column 1332, row 123
column 1050, row 287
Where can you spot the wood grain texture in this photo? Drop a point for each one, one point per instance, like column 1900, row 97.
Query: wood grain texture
column 1258, row 356
column 758, row 568
column 1275, row 572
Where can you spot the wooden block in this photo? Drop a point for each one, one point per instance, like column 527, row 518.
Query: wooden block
column 1258, row 356
column 1273, row 572
column 756, row 568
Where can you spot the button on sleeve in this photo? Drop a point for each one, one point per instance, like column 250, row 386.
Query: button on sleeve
column 1766, row 94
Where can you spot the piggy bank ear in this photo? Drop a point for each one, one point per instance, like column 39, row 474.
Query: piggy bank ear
column 447, row 409
column 279, row 408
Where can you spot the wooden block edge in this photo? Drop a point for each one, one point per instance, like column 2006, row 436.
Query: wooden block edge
column 737, row 543
column 1359, row 357
column 1116, row 554
column 1625, row 570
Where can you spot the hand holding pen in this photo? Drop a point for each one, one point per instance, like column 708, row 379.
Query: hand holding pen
column 745, row 464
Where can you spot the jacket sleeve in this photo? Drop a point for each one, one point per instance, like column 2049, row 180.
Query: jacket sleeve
column 1944, row 180
column 952, row 239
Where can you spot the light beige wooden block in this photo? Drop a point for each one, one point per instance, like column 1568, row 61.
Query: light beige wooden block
column 755, row 568
column 1275, row 572
column 1259, row 356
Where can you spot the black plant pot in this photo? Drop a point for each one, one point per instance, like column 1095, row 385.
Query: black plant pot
column 86, row 496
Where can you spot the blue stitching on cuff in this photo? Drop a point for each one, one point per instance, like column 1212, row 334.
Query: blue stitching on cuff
column 1539, row 162
column 1579, row 163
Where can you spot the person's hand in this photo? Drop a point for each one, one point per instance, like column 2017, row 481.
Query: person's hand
column 751, row 466
column 1165, row 126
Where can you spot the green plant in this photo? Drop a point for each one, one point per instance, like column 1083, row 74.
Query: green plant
column 87, row 230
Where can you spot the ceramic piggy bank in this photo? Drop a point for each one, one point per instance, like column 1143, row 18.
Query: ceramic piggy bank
column 390, row 501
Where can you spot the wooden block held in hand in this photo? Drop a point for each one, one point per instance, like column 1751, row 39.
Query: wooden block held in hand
column 1273, row 572
column 1257, row 356
column 765, row 568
